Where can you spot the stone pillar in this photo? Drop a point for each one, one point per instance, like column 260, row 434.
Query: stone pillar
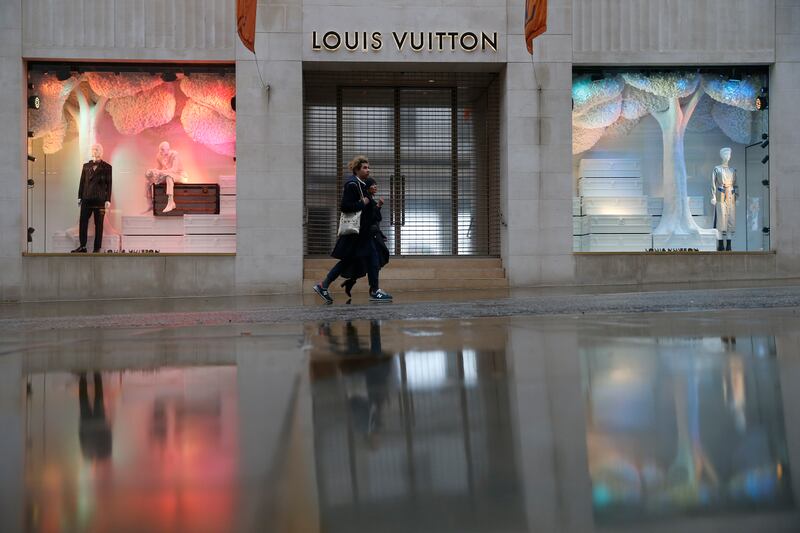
column 537, row 166
column 12, row 151
column 784, row 148
column 269, row 149
column 550, row 430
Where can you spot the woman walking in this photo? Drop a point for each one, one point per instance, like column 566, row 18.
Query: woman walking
column 357, row 249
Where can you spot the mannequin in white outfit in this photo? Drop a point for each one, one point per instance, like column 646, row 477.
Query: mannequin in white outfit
column 169, row 169
column 723, row 196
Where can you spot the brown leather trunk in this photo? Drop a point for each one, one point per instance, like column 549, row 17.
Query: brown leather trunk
column 190, row 199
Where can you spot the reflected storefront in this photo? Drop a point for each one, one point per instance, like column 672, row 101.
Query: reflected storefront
column 551, row 424
column 684, row 425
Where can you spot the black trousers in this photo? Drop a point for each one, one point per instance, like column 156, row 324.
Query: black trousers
column 83, row 228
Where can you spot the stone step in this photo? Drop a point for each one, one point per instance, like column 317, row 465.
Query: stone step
column 325, row 263
column 390, row 272
column 418, row 284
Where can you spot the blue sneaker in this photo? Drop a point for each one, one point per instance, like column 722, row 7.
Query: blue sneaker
column 323, row 293
column 380, row 296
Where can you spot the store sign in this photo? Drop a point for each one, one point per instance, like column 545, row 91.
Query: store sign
column 416, row 41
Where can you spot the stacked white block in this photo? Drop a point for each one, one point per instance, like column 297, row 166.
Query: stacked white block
column 655, row 206
column 227, row 195
column 210, row 233
column 62, row 242
column 148, row 232
column 613, row 210
column 708, row 243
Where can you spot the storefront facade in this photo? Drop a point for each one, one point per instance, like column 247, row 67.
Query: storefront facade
column 477, row 145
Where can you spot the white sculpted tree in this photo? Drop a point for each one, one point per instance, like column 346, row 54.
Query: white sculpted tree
column 613, row 106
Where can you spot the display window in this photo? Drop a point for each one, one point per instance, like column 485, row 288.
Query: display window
column 127, row 158
column 671, row 160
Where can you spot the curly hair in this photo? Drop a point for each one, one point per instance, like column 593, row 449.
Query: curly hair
column 355, row 164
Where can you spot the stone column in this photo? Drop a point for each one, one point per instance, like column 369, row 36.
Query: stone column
column 536, row 196
column 269, row 148
column 784, row 115
column 12, row 151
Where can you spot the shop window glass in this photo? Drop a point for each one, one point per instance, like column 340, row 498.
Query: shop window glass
column 153, row 130
column 670, row 160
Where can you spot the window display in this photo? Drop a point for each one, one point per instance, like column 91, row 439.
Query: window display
column 168, row 132
column 666, row 160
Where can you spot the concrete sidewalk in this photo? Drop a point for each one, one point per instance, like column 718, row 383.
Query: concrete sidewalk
column 412, row 305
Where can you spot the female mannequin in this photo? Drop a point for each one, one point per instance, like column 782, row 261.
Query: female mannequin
column 723, row 196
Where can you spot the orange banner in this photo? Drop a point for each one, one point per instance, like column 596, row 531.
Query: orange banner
column 246, row 22
column 535, row 21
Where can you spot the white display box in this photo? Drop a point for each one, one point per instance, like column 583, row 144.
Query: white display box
column 211, row 243
column 655, row 206
column 165, row 244
column 209, row 224
column 152, row 225
column 704, row 221
column 704, row 243
column 579, row 225
column 227, row 184
column 61, row 242
column 616, row 243
column 610, row 187
column 617, row 224
column 227, row 204
column 615, row 206
column 577, row 243
column 576, row 205
column 610, row 168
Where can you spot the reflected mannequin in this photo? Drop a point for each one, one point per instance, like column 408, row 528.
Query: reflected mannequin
column 94, row 198
column 168, row 170
column 724, row 192
column 94, row 432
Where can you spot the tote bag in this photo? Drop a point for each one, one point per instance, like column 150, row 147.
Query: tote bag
column 350, row 223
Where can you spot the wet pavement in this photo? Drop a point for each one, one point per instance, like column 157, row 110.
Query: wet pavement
column 648, row 422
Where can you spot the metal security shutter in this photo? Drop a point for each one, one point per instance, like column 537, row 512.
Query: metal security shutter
column 432, row 142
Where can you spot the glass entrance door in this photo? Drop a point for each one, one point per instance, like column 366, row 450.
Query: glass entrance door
column 429, row 152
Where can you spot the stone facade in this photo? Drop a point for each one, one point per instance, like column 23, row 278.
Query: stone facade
column 536, row 182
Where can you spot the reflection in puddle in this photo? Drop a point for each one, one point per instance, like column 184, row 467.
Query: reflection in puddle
column 157, row 449
column 412, row 439
column 684, row 425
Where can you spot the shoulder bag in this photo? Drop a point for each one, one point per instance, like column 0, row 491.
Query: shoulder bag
column 350, row 223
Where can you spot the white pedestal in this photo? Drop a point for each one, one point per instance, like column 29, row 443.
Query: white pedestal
column 615, row 206
column 227, row 184
column 61, row 242
column 209, row 224
column 163, row 243
column 211, row 243
column 704, row 243
column 152, row 225
column 655, row 206
column 610, row 168
column 615, row 243
column 576, row 205
column 614, row 224
column 611, row 187
column 227, row 204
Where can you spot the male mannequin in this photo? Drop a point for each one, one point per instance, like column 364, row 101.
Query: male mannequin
column 723, row 195
column 94, row 197
column 168, row 170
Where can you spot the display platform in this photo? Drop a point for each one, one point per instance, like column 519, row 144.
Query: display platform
column 611, row 224
column 165, row 244
column 611, row 187
column 703, row 243
column 150, row 225
column 610, row 168
column 209, row 224
column 614, row 206
column 63, row 242
column 634, row 242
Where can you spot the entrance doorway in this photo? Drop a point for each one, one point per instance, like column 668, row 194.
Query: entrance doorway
column 433, row 148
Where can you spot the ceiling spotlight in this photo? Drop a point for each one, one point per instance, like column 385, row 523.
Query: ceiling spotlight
column 233, row 103
column 30, row 86
column 765, row 136
column 597, row 77
column 31, row 183
column 31, row 158
column 765, row 144
column 169, row 76
column 30, row 234
column 34, row 102
column 764, row 161
column 30, row 134
column 63, row 75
